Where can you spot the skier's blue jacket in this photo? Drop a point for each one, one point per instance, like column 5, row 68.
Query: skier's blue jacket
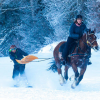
column 17, row 55
column 77, row 31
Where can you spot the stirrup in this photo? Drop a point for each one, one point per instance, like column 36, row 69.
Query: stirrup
column 89, row 63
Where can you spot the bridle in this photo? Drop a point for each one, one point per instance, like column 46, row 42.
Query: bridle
column 91, row 43
column 85, row 43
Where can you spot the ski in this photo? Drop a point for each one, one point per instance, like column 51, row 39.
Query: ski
column 22, row 81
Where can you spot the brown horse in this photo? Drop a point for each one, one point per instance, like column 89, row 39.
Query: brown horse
column 78, row 58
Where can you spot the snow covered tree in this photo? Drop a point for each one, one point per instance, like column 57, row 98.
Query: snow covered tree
column 61, row 13
column 31, row 24
column 23, row 24
column 93, row 14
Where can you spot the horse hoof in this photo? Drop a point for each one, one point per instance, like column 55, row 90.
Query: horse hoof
column 72, row 86
column 61, row 80
column 61, row 84
column 65, row 81
column 71, row 78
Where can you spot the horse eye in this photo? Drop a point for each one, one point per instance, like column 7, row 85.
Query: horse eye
column 95, row 37
column 90, row 38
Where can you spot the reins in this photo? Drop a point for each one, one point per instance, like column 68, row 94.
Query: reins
column 78, row 47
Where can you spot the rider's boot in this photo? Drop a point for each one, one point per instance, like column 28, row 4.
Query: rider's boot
column 89, row 63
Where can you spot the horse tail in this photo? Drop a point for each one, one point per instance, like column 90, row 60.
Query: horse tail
column 53, row 66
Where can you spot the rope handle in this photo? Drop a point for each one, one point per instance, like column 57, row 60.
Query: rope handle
column 39, row 60
column 42, row 60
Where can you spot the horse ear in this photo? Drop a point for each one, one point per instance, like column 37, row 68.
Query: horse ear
column 89, row 30
column 94, row 30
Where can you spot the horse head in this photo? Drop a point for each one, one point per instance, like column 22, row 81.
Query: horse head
column 92, row 39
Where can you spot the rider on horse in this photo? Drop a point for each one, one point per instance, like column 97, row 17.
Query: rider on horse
column 76, row 32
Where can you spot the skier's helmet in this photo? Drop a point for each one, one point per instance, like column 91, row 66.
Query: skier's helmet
column 12, row 46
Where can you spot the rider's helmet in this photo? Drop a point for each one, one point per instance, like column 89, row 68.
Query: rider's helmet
column 79, row 17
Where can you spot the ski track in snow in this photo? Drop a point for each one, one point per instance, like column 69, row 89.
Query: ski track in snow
column 46, row 83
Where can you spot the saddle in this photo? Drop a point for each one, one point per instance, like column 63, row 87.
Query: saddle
column 71, row 50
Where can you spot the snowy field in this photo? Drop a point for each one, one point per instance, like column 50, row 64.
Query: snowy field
column 46, row 83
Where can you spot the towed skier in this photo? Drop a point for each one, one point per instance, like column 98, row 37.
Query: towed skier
column 19, row 69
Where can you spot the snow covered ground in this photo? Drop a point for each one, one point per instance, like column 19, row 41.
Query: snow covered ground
column 46, row 83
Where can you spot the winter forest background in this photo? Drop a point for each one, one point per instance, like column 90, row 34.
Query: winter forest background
column 32, row 24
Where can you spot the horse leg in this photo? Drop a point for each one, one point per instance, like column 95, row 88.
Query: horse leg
column 61, row 79
column 59, row 71
column 81, row 75
column 74, row 67
column 78, row 79
column 66, row 73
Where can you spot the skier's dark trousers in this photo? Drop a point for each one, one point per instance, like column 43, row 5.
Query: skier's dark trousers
column 17, row 53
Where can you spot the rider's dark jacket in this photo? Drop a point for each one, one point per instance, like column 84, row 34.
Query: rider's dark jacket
column 77, row 31
column 17, row 55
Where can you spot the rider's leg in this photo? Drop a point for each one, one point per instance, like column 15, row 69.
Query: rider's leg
column 67, row 47
column 66, row 72
column 61, row 50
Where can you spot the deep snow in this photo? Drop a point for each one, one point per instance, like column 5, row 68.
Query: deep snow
column 46, row 83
